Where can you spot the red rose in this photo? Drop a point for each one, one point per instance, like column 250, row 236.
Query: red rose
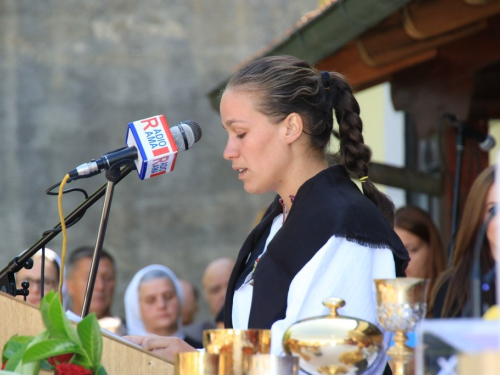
column 72, row 369
column 63, row 358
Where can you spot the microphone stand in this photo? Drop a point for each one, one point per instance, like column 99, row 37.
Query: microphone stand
column 456, row 188
column 113, row 176
column 7, row 279
column 475, row 285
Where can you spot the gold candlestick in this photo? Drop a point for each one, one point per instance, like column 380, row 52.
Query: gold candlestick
column 401, row 304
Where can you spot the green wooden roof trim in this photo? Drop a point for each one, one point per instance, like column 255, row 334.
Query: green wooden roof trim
column 324, row 31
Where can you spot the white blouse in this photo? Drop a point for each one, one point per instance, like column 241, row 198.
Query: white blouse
column 341, row 268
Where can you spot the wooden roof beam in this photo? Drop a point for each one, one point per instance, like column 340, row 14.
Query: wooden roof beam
column 389, row 42
column 348, row 62
column 424, row 19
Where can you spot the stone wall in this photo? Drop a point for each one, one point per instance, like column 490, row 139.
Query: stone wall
column 74, row 73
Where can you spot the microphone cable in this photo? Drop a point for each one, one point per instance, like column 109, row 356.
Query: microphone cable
column 64, row 236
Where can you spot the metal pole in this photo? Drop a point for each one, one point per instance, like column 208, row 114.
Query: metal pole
column 98, row 248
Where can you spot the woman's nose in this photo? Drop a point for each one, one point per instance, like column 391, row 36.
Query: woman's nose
column 162, row 303
column 99, row 283
column 230, row 152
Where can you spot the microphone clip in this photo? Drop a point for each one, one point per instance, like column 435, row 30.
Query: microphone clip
column 114, row 172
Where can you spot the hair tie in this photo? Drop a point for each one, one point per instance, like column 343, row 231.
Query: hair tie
column 363, row 179
column 325, row 77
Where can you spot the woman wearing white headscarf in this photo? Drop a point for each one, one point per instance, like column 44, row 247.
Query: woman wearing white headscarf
column 33, row 275
column 153, row 302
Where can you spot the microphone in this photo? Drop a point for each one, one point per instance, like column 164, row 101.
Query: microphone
column 152, row 145
column 486, row 141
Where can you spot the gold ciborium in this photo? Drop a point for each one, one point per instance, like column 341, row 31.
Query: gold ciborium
column 401, row 304
column 238, row 345
column 198, row 363
column 334, row 344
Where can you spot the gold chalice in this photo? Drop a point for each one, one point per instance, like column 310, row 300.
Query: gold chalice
column 198, row 363
column 334, row 344
column 401, row 304
column 238, row 346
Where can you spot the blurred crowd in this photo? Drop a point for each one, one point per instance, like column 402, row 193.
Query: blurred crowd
column 159, row 302
column 156, row 300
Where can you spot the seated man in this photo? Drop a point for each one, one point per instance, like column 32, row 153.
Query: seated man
column 215, row 280
column 33, row 276
column 76, row 279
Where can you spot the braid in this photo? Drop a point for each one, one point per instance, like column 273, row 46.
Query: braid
column 286, row 84
column 354, row 154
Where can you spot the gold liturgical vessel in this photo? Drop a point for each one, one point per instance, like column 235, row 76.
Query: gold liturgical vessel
column 238, row 346
column 334, row 344
column 401, row 304
column 198, row 363
column 269, row 364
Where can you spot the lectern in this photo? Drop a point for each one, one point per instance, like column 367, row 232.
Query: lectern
column 118, row 357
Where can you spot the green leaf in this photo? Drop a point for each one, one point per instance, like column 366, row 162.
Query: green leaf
column 82, row 360
column 44, row 307
column 47, row 299
column 16, row 358
column 91, row 338
column 49, row 348
column 60, row 326
column 56, row 328
column 46, row 366
column 100, row 371
column 13, row 345
column 32, row 368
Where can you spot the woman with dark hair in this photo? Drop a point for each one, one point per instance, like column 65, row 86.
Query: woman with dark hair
column 421, row 238
column 321, row 236
column 451, row 293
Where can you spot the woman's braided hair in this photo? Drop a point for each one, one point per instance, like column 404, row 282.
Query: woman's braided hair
column 286, row 84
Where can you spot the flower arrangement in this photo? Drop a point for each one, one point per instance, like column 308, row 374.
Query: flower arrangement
column 61, row 348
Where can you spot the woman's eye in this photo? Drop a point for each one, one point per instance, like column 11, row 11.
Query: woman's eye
column 412, row 249
column 240, row 136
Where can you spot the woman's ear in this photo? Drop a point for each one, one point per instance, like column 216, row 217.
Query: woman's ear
column 294, row 126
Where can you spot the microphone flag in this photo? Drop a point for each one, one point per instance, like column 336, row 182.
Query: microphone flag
column 157, row 150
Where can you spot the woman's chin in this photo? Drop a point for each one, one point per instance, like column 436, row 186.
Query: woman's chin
column 162, row 329
column 33, row 301
column 255, row 190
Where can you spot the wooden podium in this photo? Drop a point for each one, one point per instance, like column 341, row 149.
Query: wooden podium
column 118, row 357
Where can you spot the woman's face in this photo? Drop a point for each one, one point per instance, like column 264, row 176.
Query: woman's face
column 256, row 147
column 419, row 253
column 491, row 231
column 33, row 277
column 159, row 306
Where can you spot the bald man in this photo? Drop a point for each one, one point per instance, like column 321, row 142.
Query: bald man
column 215, row 280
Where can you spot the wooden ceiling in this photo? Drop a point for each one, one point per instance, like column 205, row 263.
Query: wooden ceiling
column 411, row 36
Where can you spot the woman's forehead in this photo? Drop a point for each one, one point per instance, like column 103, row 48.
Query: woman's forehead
column 156, row 285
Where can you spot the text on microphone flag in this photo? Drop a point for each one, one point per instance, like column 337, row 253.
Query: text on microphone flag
column 157, row 149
